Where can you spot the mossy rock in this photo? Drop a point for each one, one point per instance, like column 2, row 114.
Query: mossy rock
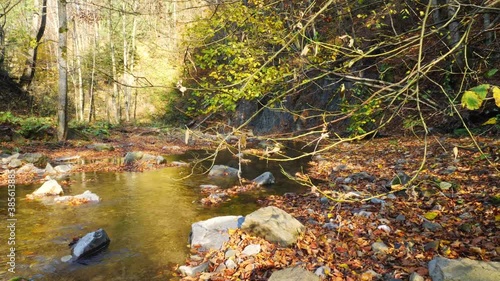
column 37, row 159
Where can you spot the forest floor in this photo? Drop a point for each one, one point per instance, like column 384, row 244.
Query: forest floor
column 451, row 208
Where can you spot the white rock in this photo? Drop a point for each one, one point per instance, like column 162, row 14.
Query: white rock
column 251, row 250
column 193, row 270
column 88, row 196
column 385, row 228
column 49, row 188
column 230, row 264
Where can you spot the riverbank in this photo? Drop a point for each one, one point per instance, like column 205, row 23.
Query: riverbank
column 99, row 154
column 362, row 219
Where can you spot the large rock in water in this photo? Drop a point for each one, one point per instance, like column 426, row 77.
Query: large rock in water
column 132, row 156
column 293, row 274
column 212, row 233
column 48, row 188
column 443, row 269
column 264, row 179
column 223, row 171
column 274, row 225
column 90, row 244
column 86, row 197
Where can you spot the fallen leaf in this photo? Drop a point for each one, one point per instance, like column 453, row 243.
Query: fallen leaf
column 431, row 215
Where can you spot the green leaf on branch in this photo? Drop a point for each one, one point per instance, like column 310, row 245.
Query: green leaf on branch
column 491, row 72
column 481, row 90
column 473, row 98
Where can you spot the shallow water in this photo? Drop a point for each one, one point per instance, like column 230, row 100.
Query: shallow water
column 146, row 215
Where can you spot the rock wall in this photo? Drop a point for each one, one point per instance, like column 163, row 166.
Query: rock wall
column 292, row 114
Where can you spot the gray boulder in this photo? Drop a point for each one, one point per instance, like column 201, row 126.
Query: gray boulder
column 274, row 225
column 223, row 171
column 49, row 169
column 133, row 156
column 212, row 233
column 293, row 274
column 37, row 159
column 15, row 163
column 443, row 269
column 160, row 160
column 7, row 158
column 264, row 179
column 400, row 179
column 63, row 168
column 30, row 168
column 90, row 244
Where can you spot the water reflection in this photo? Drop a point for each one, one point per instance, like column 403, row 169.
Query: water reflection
column 147, row 216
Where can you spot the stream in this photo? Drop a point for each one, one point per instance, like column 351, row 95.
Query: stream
column 147, row 216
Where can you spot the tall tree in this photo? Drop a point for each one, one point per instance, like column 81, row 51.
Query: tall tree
column 62, row 107
column 128, row 59
column 37, row 34
column 79, row 95
column 114, row 95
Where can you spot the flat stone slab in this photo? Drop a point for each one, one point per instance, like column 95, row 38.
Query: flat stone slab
column 443, row 269
column 293, row 274
column 213, row 233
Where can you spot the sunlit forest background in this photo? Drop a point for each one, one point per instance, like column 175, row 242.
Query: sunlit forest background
column 356, row 67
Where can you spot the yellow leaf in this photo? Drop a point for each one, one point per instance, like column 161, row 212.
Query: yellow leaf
column 491, row 121
column 243, row 141
column 343, row 265
column 431, row 215
column 496, row 95
column 497, row 218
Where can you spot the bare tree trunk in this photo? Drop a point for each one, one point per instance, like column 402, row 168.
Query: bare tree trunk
column 125, row 81
column 128, row 74
column 2, row 45
column 436, row 17
column 92, row 75
column 62, row 107
column 486, row 25
column 30, row 65
column 454, row 29
column 114, row 94
column 80, row 97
